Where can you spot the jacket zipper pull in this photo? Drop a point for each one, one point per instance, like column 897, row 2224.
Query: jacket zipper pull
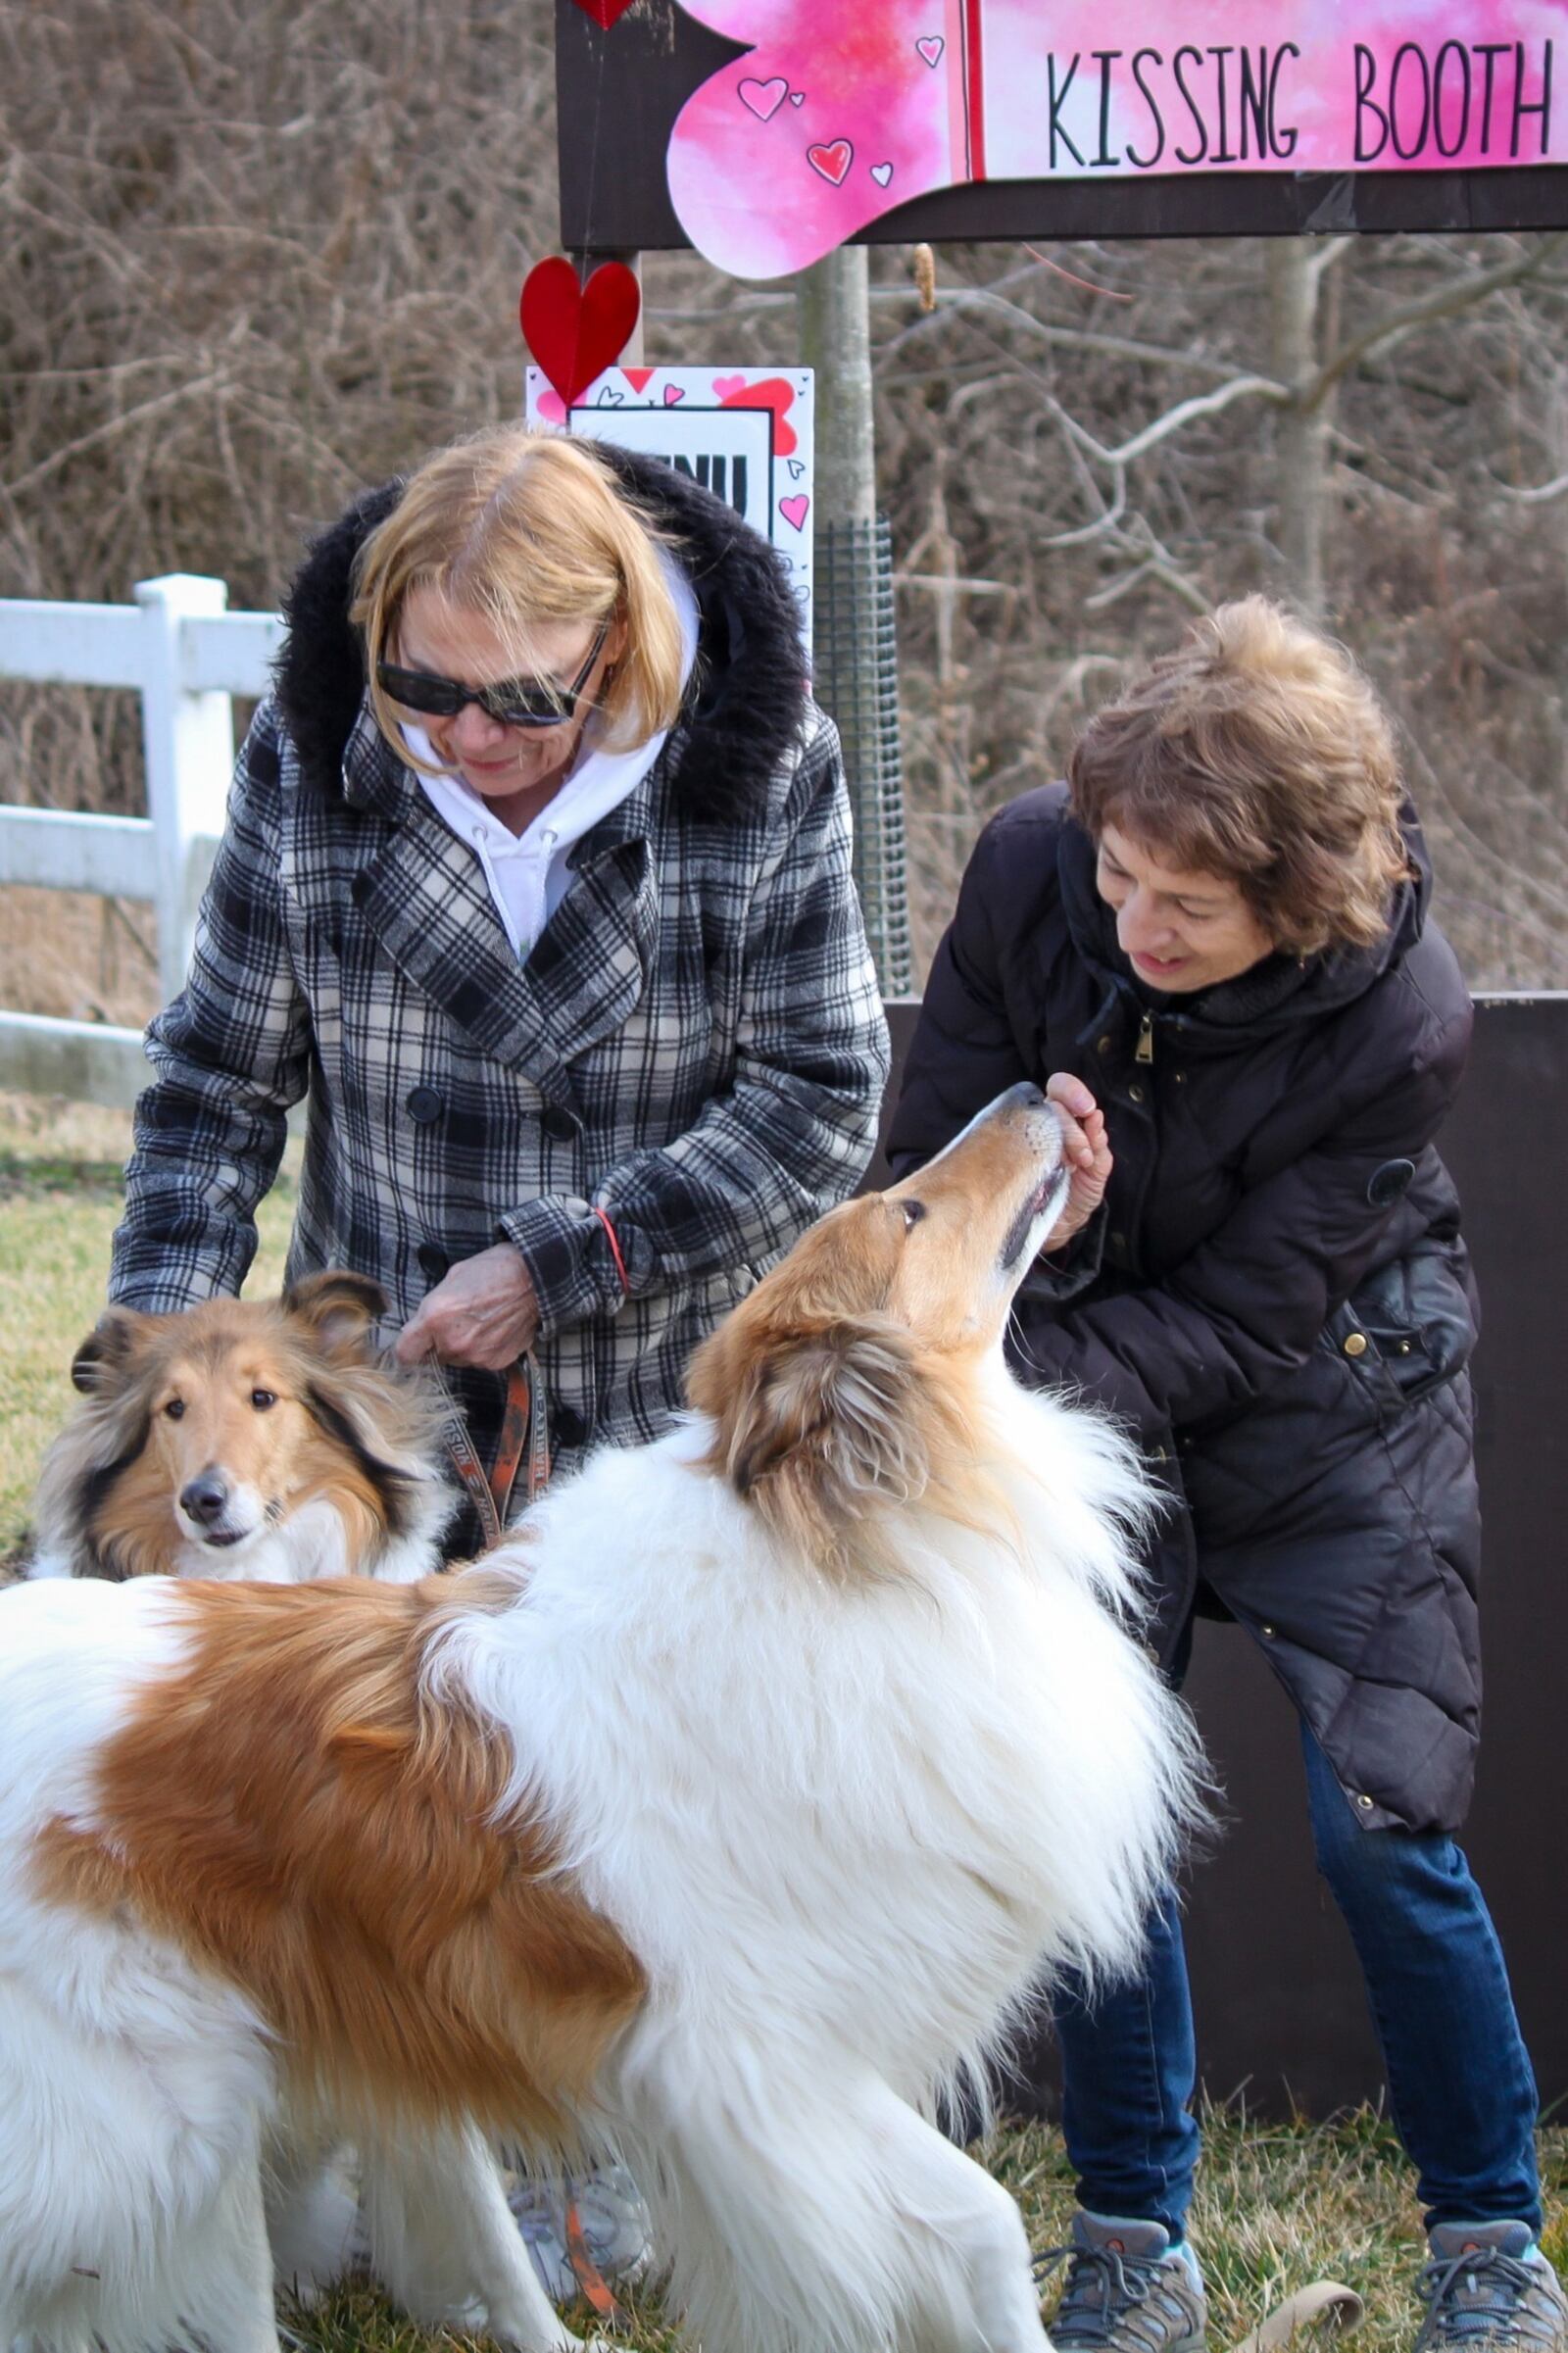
column 1144, row 1051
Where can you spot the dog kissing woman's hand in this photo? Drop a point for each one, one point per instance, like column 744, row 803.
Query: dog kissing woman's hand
column 482, row 1313
column 1088, row 1153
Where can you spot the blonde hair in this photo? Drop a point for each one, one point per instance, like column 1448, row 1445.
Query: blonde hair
column 1257, row 751
column 526, row 528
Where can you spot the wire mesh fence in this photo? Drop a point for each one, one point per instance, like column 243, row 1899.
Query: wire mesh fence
column 855, row 680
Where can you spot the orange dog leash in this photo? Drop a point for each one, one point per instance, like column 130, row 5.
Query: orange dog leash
column 597, row 2291
column 525, row 1434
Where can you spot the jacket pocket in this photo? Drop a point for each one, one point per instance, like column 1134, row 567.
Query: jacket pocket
column 1406, row 1328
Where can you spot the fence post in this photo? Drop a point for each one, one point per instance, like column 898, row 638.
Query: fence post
column 188, row 743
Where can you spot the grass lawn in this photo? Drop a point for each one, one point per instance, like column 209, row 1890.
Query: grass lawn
column 1278, row 2204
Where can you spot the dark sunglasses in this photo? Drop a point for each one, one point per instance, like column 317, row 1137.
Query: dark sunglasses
column 514, row 702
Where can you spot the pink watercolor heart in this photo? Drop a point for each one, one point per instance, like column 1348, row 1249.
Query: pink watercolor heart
column 795, row 509
column 550, row 406
column 797, row 97
column 771, row 392
column 832, row 160
column 931, row 48
column 763, row 98
column 881, row 174
column 673, row 393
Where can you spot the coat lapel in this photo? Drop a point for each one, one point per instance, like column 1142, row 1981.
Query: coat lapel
column 426, row 897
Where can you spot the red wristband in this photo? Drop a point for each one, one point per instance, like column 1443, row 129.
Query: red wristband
column 614, row 1249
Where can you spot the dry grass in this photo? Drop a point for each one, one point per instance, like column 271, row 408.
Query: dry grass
column 1278, row 2205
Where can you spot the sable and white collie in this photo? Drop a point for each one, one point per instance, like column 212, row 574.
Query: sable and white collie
column 726, row 1815
column 245, row 1439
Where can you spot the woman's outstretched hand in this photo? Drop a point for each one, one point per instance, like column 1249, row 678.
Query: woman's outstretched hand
column 1089, row 1154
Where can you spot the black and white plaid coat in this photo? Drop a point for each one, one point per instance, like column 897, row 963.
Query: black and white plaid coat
column 695, row 1044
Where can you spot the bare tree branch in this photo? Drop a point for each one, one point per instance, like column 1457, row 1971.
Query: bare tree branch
column 1447, row 303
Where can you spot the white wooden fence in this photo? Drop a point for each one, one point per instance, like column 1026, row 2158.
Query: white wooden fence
column 187, row 656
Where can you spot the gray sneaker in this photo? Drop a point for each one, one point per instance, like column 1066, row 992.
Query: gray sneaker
column 1487, row 2287
column 1130, row 2288
column 616, row 2226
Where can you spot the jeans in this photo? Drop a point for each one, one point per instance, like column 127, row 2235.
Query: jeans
column 1460, row 2088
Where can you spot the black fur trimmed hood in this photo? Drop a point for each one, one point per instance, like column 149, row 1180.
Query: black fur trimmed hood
column 750, row 687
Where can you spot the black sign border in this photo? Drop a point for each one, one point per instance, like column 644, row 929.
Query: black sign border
column 618, row 94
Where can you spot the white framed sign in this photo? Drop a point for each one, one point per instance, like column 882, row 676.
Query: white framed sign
column 744, row 433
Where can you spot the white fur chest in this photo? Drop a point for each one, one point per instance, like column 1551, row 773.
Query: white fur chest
column 768, row 1778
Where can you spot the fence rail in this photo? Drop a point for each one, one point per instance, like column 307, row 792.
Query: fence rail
column 187, row 656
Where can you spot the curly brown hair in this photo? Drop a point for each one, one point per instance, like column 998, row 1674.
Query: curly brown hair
column 1259, row 752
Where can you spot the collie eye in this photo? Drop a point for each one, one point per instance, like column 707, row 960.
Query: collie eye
column 913, row 1211
column 174, row 1408
column 261, row 1399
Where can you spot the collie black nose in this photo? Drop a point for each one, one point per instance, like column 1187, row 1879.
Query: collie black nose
column 204, row 1498
column 1024, row 1096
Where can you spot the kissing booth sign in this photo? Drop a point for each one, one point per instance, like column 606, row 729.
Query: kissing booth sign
column 786, row 128
column 822, row 128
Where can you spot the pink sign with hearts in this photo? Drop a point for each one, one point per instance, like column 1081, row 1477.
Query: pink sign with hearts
column 890, row 99
column 742, row 433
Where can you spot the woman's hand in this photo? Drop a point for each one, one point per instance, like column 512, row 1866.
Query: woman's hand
column 482, row 1313
column 1088, row 1153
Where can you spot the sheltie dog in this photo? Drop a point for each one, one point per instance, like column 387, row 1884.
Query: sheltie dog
column 256, row 1440
column 727, row 1815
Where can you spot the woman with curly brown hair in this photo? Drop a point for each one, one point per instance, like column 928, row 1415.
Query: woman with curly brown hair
column 1215, row 940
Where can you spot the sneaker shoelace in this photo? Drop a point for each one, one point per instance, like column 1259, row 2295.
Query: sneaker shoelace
column 1481, row 2293
column 1106, row 2290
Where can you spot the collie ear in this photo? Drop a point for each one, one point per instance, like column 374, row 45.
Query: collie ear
column 104, row 1353
column 340, row 1307
column 822, row 1426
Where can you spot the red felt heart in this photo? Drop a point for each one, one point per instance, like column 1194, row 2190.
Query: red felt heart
column 604, row 14
column 575, row 332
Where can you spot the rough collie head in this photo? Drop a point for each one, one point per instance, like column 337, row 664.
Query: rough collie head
column 205, row 1435
column 848, row 1381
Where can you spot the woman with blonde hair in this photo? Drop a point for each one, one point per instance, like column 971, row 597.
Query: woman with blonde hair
column 535, row 887
column 1214, row 938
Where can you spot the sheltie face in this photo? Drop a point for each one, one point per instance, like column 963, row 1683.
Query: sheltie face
column 721, row 1816
column 244, row 1440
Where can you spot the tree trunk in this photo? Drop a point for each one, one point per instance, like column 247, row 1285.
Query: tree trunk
column 1295, row 278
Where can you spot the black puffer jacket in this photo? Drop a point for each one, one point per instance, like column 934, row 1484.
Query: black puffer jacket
column 1275, row 1293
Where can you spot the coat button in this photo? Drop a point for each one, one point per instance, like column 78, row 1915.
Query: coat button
column 560, row 1126
column 423, row 1105
column 1364, row 1801
column 1388, row 1183
column 1356, row 1344
column 1119, row 1240
column 433, row 1261
column 1103, row 1045
column 567, row 1425
column 1268, row 1632
column 1134, row 1094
